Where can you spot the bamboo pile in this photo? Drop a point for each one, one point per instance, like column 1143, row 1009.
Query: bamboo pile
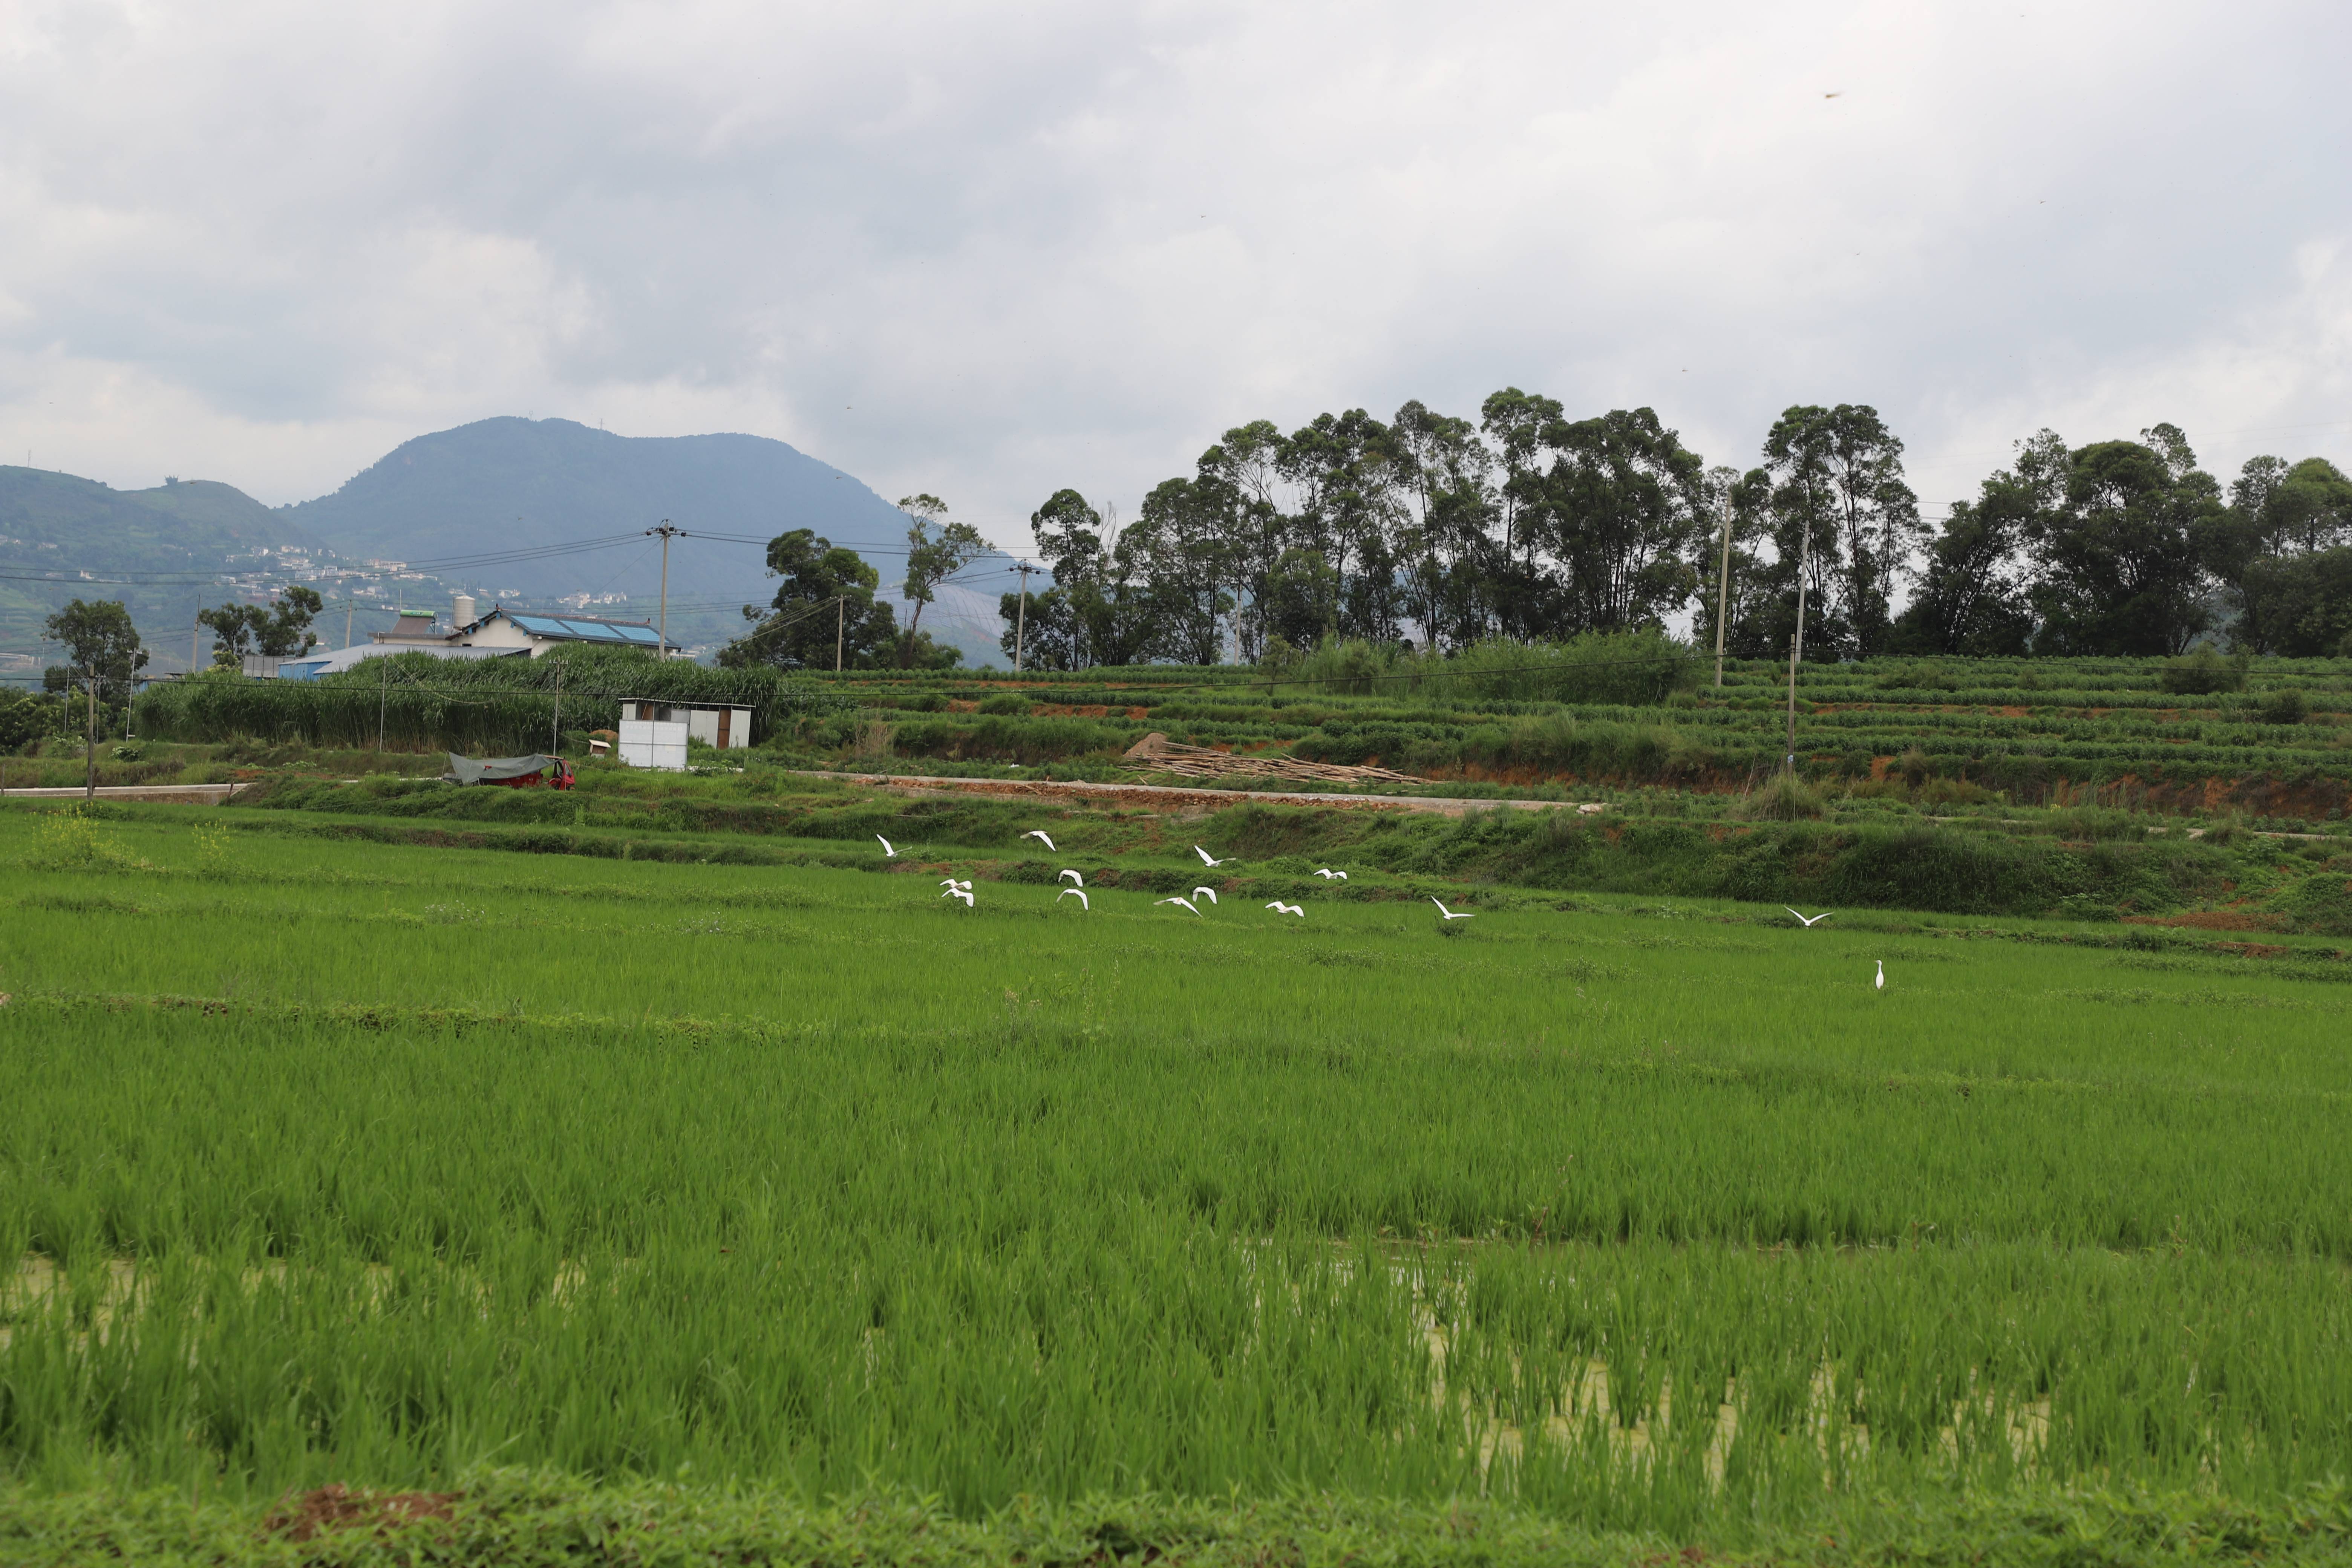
column 1157, row 753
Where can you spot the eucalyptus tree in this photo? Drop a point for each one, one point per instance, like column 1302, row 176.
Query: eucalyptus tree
column 1627, row 516
column 2288, row 566
column 1735, row 583
column 1100, row 572
column 1182, row 553
column 2120, row 560
column 1847, row 518
column 1972, row 596
column 1343, row 471
column 1240, row 483
column 937, row 550
column 2292, row 508
column 1513, row 423
column 1444, row 543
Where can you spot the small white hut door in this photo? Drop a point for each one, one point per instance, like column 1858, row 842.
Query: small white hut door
column 726, row 718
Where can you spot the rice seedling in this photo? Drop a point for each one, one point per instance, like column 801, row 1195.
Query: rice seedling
column 382, row 1162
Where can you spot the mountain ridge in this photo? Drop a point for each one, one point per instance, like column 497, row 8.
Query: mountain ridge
column 508, row 483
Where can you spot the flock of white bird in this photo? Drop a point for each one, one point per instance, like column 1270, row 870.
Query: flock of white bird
column 951, row 888
column 1077, row 889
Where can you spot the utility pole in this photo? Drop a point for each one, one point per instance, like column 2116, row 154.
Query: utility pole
column 1797, row 640
column 840, row 621
column 348, row 607
column 662, row 629
column 194, row 638
column 382, row 691
column 1722, row 592
column 1020, row 615
column 89, row 752
column 555, row 729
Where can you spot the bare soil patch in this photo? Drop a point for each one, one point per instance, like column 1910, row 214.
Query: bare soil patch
column 339, row 1507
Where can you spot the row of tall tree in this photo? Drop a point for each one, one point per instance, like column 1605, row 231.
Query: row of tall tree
column 1444, row 532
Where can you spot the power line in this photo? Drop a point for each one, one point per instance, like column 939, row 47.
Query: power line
column 438, row 563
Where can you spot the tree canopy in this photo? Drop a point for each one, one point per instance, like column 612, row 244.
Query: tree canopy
column 823, row 611
column 279, row 630
column 100, row 641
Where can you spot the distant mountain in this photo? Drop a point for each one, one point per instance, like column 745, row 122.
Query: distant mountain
column 56, row 525
column 526, row 484
column 445, row 501
column 189, row 524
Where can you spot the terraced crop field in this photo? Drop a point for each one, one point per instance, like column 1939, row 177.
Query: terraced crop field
column 734, row 1193
column 2025, row 732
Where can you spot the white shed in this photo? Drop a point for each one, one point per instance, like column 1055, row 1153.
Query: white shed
column 654, row 733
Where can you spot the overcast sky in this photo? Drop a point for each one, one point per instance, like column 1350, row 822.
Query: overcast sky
column 989, row 251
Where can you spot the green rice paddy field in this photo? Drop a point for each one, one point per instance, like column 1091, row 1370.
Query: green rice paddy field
column 648, row 1211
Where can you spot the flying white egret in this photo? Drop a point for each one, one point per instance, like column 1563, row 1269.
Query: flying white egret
column 1077, row 893
column 1451, row 915
column 1208, row 860
column 1075, row 877
column 1287, row 908
column 1817, row 920
column 1186, row 903
column 889, row 850
column 1329, row 875
column 1882, row 970
column 1211, row 891
column 960, row 894
column 951, row 882
column 1039, row 835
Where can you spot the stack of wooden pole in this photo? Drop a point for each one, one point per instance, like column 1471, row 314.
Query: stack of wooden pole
column 1157, row 753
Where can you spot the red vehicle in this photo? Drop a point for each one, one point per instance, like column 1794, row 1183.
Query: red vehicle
column 556, row 775
column 514, row 773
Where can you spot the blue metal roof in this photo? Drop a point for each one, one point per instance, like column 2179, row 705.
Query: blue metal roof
column 584, row 630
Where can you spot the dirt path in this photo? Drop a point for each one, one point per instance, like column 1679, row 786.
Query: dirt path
column 1166, row 798
column 170, row 794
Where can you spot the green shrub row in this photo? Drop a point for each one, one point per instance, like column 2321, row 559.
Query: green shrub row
column 522, row 1519
column 410, row 700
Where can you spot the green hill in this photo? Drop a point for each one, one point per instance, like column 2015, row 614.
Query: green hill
column 522, row 484
column 62, row 537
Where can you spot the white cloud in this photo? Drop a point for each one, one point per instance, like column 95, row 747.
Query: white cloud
column 991, row 251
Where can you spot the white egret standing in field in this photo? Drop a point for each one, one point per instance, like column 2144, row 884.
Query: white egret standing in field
column 1208, row 860
column 1039, row 835
column 889, row 850
column 1809, row 924
column 1287, row 908
column 1329, row 875
column 1451, row 915
column 1077, row 893
column 1881, row 985
column 1212, row 893
column 1186, row 903
column 1075, row 877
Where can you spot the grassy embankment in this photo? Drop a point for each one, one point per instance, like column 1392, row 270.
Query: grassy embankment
column 1644, row 1226
column 2080, row 863
column 1921, row 734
